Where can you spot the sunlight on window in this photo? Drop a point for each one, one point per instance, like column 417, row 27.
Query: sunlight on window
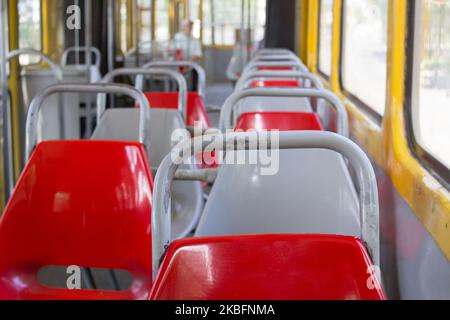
column 29, row 28
column 223, row 17
column 431, row 113
column 325, row 36
column 364, row 52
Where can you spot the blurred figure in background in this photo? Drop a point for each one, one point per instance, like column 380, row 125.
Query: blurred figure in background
column 187, row 46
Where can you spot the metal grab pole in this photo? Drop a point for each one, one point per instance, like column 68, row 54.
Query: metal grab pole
column 243, row 59
column 110, row 40
column 5, row 116
column 88, row 62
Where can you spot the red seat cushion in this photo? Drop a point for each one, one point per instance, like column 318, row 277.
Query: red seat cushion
column 83, row 203
column 266, row 267
column 275, row 83
column 283, row 121
column 196, row 111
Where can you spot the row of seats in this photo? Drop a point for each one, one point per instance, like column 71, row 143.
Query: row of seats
column 298, row 234
column 305, row 221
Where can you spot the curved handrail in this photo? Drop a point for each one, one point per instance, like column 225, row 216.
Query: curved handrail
column 108, row 88
column 140, row 72
column 276, row 57
column 368, row 195
column 250, row 76
column 86, row 50
column 292, row 64
column 189, row 64
column 270, row 51
column 57, row 71
column 225, row 121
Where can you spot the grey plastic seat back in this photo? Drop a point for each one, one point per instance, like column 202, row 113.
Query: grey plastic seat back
column 312, row 193
column 259, row 104
column 120, row 125
column 81, row 74
column 49, row 127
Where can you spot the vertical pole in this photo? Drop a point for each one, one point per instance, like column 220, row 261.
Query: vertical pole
column 249, row 29
column 137, row 32
column 88, row 61
column 13, row 85
column 213, row 22
column 5, row 116
column 172, row 18
column 110, row 40
column 77, row 39
column 242, row 42
column 151, row 23
column 200, row 17
column 110, row 35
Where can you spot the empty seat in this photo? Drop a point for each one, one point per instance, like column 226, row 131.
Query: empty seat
column 82, row 203
column 311, row 191
column 268, row 267
column 120, row 125
column 283, row 121
column 196, row 111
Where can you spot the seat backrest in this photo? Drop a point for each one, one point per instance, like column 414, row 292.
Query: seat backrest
column 275, row 83
column 267, row 267
column 120, row 124
column 261, row 104
column 49, row 127
column 83, row 203
column 283, row 121
column 196, row 111
column 311, row 192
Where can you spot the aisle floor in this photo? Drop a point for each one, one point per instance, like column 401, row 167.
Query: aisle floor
column 216, row 94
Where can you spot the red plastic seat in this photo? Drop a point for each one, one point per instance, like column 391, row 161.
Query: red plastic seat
column 283, row 121
column 83, row 203
column 275, row 83
column 266, row 267
column 195, row 108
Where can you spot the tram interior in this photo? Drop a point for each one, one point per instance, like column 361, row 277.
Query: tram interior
column 225, row 150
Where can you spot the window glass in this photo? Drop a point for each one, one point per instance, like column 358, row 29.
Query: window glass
column 193, row 11
column 364, row 51
column 123, row 26
column 162, row 32
column 222, row 18
column 325, row 36
column 431, row 101
column 29, row 28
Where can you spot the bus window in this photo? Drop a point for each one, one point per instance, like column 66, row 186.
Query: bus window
column 431, row 80
column 162, row 32
column 29, row 28
column 364, row 52
column 223, row 17
column 325, row 36
column 124, row 16
column 145, row 20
